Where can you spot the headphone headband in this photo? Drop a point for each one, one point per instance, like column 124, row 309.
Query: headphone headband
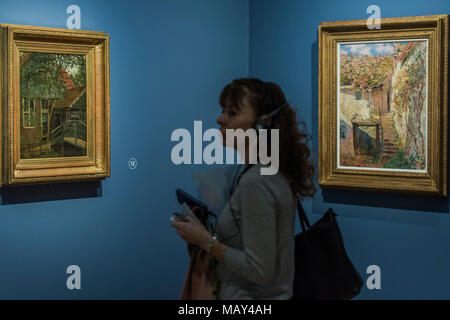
column 274, row 112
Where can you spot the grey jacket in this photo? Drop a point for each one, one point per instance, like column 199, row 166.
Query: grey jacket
column 259, row 260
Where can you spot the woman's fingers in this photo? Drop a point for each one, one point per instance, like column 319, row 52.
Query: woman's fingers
column 177, row 223
column 195, row 208
column 180, row 231
column 181, row 224
column 192, row 219
column 174, row 222
column 189, row 229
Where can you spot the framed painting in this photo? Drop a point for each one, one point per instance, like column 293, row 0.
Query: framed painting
column 383, row 105
column 55, row 105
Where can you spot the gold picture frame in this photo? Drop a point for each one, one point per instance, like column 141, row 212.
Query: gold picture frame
column 55, row 105
column 383, row 105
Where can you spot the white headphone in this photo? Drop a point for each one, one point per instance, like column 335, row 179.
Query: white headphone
column 261, row 122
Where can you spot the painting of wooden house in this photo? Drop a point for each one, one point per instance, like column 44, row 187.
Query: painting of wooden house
column 53, row 105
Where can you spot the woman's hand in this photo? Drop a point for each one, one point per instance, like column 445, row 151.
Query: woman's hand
column 191, row 231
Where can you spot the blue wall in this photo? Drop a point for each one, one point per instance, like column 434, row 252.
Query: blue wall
column 407, row 236
column 169, row 62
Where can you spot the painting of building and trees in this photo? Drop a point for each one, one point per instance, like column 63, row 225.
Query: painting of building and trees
column 382, row 105
column 52, row 105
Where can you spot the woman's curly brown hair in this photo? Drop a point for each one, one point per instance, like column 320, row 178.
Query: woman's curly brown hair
column 295, row 163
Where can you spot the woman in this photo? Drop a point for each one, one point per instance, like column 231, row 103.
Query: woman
column 254, row 241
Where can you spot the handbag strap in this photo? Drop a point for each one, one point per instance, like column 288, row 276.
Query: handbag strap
column 302, row 215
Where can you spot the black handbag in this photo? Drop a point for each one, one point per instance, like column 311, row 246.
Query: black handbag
column 323, row 270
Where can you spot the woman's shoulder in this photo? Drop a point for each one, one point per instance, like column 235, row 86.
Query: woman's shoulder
column 255, row 178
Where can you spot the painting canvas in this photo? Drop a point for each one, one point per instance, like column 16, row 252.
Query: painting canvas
column 382, row 105
column 53, row 105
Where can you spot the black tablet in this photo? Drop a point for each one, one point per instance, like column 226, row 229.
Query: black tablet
column 192, row 202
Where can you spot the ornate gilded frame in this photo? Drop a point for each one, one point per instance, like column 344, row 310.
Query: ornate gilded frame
column 96, row 163
column 434, row 181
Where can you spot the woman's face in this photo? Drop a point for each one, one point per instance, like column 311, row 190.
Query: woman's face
column 236, row 118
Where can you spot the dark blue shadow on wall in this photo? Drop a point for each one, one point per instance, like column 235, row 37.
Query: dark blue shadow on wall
column 51, row 192
column 386, row 200
column 367, row 198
